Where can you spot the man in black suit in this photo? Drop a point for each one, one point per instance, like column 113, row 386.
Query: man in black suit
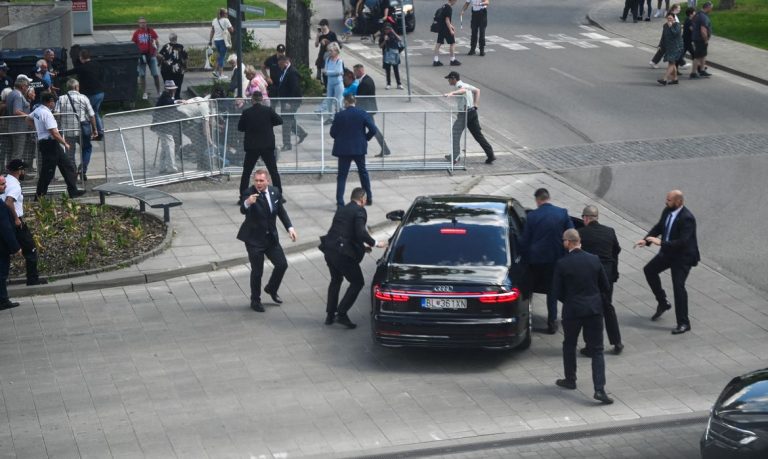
column 675, row 234
column 262, row 204
column 601, row 240
column 272, row 70
column 580, row 283
column 367, row 89
column 289, row 85
column 257, row 122
column 344, row 247
column 8, row 246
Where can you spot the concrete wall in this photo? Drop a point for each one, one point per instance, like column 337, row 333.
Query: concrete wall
column 37, row 25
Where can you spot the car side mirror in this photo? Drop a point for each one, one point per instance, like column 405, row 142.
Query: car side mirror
column 396, row 215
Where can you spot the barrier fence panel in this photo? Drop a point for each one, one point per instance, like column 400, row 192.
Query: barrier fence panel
column 18, row 140
column 163, row 144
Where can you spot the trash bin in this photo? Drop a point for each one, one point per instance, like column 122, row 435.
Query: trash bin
column 24, row 60
column 118, row 61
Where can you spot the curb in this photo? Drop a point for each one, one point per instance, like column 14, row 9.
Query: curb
column 506, row 440
column 165, row 25
column 722, row 67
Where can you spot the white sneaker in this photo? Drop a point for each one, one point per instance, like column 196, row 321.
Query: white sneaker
column 145, row 96
column 387, row 87
column 400, row 86
column 658, row 14
column 653, row 65
column 687, row 65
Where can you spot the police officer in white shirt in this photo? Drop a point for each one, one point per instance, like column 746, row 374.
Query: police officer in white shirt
column 478, row 24
column 14, row 200
column 49, row 142
column 467, row 116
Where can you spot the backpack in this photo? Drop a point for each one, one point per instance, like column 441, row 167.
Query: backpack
column 435, row 27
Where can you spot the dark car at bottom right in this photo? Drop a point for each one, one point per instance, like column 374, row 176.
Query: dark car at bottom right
column 738, row 422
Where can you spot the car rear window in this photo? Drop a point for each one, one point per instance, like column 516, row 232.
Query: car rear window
column 451, row 243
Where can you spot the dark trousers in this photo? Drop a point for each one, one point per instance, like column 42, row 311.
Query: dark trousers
column 396, row 69
column 342, row 267
column 679, row 274
column 52, row 156
column 268, row 156
column 380, row 138
column 473, row 124
column 541, row 278
column 609, row 315
column 630, row 6
column 593, row 336
column 290, row 125
column 29, row 250
column 640, row 8
column 479, row 23
column 5, row 268
column 341, row 179
column 274, row 252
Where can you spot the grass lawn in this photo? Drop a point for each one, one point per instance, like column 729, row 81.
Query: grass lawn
column 747, row 22
column 165, row 11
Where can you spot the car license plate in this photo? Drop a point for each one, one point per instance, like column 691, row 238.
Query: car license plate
column 444, row 303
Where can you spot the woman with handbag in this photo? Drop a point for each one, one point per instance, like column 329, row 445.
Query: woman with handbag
column 391, row 45
column 220, row 36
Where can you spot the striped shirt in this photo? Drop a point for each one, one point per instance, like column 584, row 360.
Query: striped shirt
column 82, row 108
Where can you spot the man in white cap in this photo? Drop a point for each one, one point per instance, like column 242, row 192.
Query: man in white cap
column 165, row 132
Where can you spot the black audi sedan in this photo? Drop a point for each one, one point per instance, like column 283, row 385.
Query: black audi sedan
column 738, row 421
column 452, row 276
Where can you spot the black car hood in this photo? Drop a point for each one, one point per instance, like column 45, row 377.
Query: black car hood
column 495, row 275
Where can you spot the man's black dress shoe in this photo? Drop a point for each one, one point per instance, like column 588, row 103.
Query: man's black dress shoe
column 660, row 308
column 343, row 319
column 681, row 329
column 618, row 348
column 566, row 383
column 329, row 319
column 275, row 297
column 602, row 397
column 490, row 160
column 257, row 306
column 551, row 327
column 8, row 304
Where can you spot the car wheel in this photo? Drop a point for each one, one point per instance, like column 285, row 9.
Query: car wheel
column 526, row 343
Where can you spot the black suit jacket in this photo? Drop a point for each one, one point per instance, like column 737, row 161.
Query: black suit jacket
column 601, row 240
column 367, row 87
column 682, row 246
column 580, row 282
column 8, row 243
column 257, row 123
column 348, row 231
column 260, row 226
column 290, row 86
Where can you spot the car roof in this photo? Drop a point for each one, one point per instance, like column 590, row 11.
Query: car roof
column 447, row 206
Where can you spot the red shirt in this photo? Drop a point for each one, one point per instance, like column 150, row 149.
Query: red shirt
column 145, row 40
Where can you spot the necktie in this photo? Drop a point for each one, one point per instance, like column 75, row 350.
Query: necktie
column 668, row 227
column 266, row 201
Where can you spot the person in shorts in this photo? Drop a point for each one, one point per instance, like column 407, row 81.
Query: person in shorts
column 701, row 32
column 446, row 34
column 146, row 39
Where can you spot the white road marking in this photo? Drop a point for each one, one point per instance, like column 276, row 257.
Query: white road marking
column 574, row 78
column 590, row 28
column 548, row 45
column 595, row 36
column 617, row 43
column 513, row 46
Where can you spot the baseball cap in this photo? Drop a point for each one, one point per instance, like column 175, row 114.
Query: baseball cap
column 453, row 75
column 15, row 165
column 23, row 78
column 4, row 66
column 280, row 48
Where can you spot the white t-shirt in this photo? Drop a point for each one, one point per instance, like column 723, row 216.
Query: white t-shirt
column 219, row 26
column 476, row 5
column 13, row 189
column 469, row 96
column 44, row 121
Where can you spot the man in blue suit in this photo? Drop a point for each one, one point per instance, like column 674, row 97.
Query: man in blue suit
column 542, row 246
column 351, row 130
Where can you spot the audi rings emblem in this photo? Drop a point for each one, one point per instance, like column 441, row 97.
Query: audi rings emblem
column 443, row 288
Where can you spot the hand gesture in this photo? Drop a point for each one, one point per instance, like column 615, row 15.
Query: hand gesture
column 292, row 234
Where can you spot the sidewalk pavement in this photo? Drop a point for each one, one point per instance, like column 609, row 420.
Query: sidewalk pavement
column 727, row 55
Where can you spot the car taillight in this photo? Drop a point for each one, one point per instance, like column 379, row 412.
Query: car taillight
column 504, row 297
column 387, row 295
column 453, row 231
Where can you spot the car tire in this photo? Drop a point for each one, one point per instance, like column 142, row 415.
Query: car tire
column 526, row 342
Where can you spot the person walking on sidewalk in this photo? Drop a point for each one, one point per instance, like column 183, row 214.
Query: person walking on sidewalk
column 289, row 87
column 262, row 205
column 579, row 281
column 8, row 246
column 351, row 130
column 466, row 116
column 258, row 122
column 446, row 33
column 542, row 246
column 49, row 143
column 220, row 36
column 701, row 32
column 675, row 234
column 366, row 87
column 344, row 248
column 78, row 122
column 478, row 24
column 601, row 240
column 146, row 39
column 14, row 200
